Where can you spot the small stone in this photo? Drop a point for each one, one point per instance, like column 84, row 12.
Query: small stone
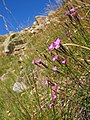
column 19, row 87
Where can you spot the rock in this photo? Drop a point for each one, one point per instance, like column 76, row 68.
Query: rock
column 19, row 47
column 51, row 13
column 4, row 77
column 26, row 29
column 8, row 47
column 25, row 79
column 33, row 31
column 40, row 24
column 10, row 42
column 48, row 22
column 19, row 87
column 37, row 28
column 34, row 24
column 55, row 19
column 21, row 83
column 40, row 27
column 41, row 19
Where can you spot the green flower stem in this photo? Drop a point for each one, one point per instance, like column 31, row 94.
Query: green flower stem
column 76, row 45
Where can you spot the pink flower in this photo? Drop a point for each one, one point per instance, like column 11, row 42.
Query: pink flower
column 64, row 61
column 57, row 41
column 39, row 61
column 54, row 68
column 33, row 62
column 54, row 96
column 74, row 14
column 73, row 10
column 51, row 105
column 67, row 13
column 55, row 58
column 55, row 88
column 55, row 44
column 67, row 33
column 46, row 82
column 51, row 47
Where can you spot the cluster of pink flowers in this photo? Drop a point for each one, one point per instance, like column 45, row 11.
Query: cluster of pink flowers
column 55, row 58
column 54, row 96
column 55, row 88
column 72, row 12
column 63, row 61
column 55, row 44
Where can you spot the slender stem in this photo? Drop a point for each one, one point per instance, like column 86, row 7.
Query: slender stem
column 71, row 44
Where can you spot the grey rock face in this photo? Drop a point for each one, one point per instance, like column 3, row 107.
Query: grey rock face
column 25, row 80
column 40, row 24
column 19, row 87
column 8, row 47
column 21, row 82
column 37, row 28
column 11, row 41
column 41, row 19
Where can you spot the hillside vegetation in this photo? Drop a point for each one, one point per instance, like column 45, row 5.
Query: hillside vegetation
column 47, row 74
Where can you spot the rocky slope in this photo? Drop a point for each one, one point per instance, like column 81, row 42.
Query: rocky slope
column 15, row 44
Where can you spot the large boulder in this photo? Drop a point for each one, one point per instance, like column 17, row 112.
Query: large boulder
column 26, row 79
column 21, row 82
column 10, row 42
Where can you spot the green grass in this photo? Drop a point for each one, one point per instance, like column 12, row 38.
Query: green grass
column 73, row 78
